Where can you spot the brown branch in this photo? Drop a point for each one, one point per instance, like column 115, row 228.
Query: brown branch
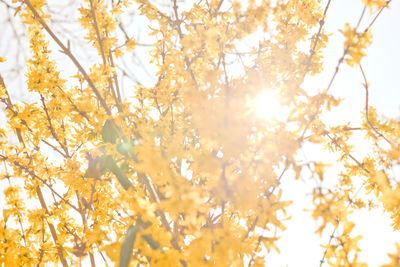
column 340, row 61
column 122, row 28
column 154, row 197
column 334, row 141
column 82, row 113
column 329, row 243
column 52, row 228
column 53, row 147
column 172, row 120
column 9, row 106
column 100, row 41
column 314, row 115
column 175, row 8
column 337, row 225
column 177, row 24
column 96, row 27
column 351, row 128
column 52, row 130
column 82, row 212
column 377, row 15
column 321, row 24
column 102, row 256
column 361, row 17
column 254, row 224
column 92, row 194
column 219, row 6
column 118, row 100
column 18, row 215
column 33, row 175
column 366, row 108
column 67, row 51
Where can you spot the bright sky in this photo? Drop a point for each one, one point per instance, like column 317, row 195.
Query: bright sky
column 299, row 245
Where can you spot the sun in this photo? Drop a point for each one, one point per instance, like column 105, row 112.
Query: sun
column 267, row 106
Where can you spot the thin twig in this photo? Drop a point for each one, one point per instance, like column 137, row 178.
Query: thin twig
column 52, row 228
column 316, row 40
column 96, row 27
column 336, row 227
column 334, row 141
column 82, row 113
column 377, row 15
column 82, row 212
column 340, row 61
column 100, row 41
column 361, row 17
column 52, row 130
column 18, row 214
column 366, row 86
column 67, row 51
column 269, row 194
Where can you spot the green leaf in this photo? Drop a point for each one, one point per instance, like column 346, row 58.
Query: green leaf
column 125, row 147
column 152, row 243
column 127, row 245
column 109, row 163
column 124, row 167
column 165, row 112
column 109, row 133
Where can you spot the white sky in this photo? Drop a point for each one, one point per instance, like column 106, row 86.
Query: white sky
column 299, row 246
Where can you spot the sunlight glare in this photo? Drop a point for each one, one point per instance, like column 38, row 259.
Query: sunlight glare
column 267, row 106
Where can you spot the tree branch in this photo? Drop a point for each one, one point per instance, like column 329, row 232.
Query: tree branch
column 67, row 51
